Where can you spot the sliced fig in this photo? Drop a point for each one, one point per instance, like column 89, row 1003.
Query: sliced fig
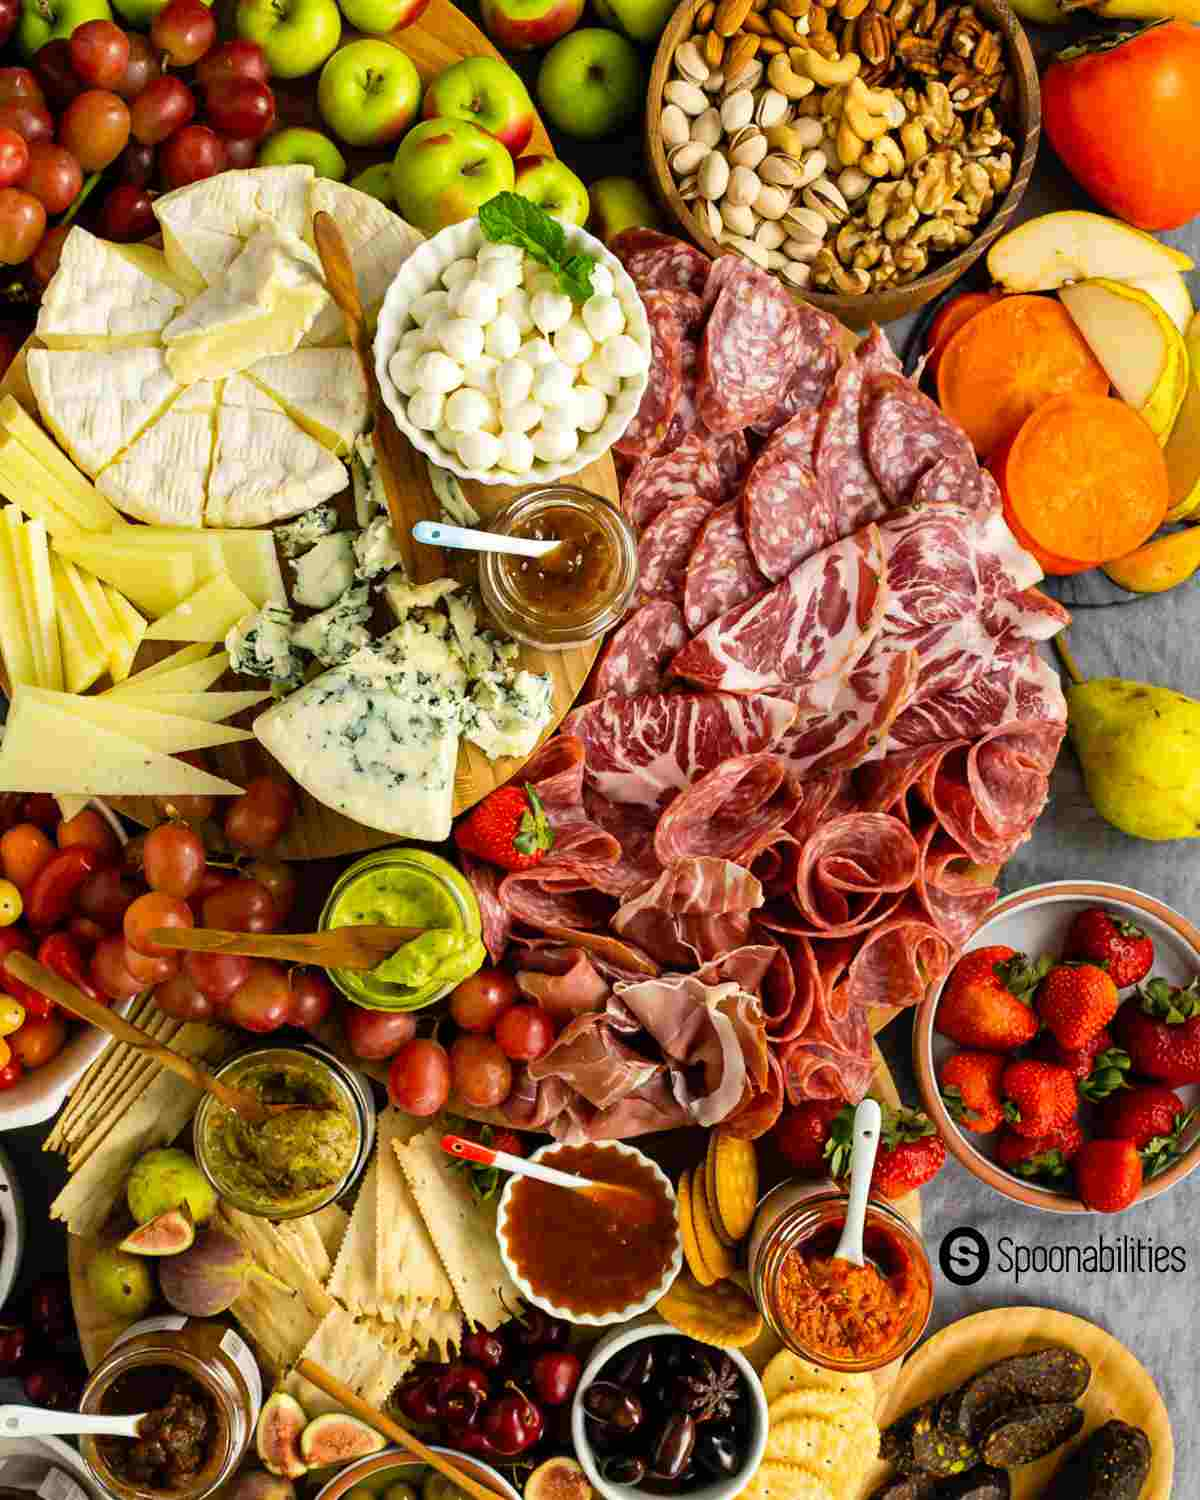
column 169, row 1234
column 257, row 1484
column 281, row 1425
column 558, row 1479
column 208, row 1278
column 337, row 1438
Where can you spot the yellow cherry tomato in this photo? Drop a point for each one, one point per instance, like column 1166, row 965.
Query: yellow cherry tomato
column 11, row 905
column 12, row 1017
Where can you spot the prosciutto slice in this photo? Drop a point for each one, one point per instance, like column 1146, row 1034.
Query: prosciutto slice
column 696, row 910
column 563, row 981
column 732, row 812
column 592, row 1057
column 856, row 724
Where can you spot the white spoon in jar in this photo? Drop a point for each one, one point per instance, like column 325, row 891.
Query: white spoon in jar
column 868, row 1122
column 467, row 539
column 39, row 1421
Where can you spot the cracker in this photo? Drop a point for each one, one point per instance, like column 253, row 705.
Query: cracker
column 353, row 1278
column 331, row 1223
column 735, row 1179
column 717, row 1256
column 355, row 1353
column 843, row 1412
column 774, row 1480
column 811, row 1443
column 436, row 1331
column 407, row 1268
column 302, row 1238
column 687, row 1230
column 787, row 1371
column 274, row 1251
column 722, row 1314
column 710, row 1188
column 277, row 1325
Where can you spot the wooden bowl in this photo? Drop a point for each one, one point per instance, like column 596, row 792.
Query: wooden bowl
column 894, row 301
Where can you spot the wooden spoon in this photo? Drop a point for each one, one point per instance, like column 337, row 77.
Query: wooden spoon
column 338, row 948
column 241, row 1101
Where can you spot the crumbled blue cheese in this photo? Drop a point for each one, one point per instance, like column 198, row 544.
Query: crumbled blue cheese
column 369, row 493
column 334, row 635
column 306, row 530
column 508, row 715
column 325, row 572
column 260, row 645
column 376, row 550
column 457, row 510
column 403, row 597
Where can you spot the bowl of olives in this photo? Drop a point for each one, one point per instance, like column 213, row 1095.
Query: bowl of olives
column 656, row 1413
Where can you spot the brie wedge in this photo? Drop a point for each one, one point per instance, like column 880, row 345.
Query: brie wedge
column 160, row 478
column 321, row 389
column 205, row 224
column 97, row 404
column 106, row 296
column 378, row 242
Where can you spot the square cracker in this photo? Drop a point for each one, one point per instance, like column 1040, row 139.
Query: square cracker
column 407, row 1268
column 354, row 1352
column 353, row 1279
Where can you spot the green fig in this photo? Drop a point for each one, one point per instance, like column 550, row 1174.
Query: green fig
column 121, row 1283
column 166, row 1179
column 208, row 1278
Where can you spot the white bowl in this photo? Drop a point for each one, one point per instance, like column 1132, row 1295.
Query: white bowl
column 399, row 1465
column 422, row 272
column 719, row 1489
column 592, row 1320
column 12, row 1227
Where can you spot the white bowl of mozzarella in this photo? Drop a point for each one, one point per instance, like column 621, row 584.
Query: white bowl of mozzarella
column 492, row 372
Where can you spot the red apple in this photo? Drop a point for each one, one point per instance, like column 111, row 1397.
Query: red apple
column 485, row 92
column 521, row 25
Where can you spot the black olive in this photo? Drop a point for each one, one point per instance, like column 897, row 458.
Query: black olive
column 717, row 1452
column 608, row 1403
column 673, row 1446
column 601, row 1436
column 634, row 1369
column 624, row 1468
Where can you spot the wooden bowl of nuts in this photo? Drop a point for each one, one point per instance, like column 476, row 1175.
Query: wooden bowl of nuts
column 865, row 151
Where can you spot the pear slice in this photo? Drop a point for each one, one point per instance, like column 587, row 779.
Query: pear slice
column 1059, row 248
column 1170, row 292
column 1158, row 565
column 1182, row 452
column 1142, row 351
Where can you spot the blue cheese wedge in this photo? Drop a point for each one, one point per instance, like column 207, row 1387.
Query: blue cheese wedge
column 508, row 716
column 306, row 530
column 369, row 493
column 336, row 633
column 376, row 550
column 261, row 646
column 325, row 571
column 403, row 597
column 457, row 510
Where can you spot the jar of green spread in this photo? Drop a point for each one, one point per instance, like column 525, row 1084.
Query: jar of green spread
column 406, row 887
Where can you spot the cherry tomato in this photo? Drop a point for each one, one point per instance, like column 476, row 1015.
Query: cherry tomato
column 241, row 906
column 23, row 851
column 148, row 970
column 481, row 1074
column 191, row 154
column 174, row 860
column 479, row 1002
column 180, row 999
column 376, row 1035
column 14, row 157
column 90, row 830
column 419, row 1077
column 105, row 897
column 85, row 932
column 11, row 1073
column 155, row 909
column 311, row 998
column 38, row 1041
column 217, row 975
column 263, row 1003
column 13, row 940
column 41, row 808
column 99, row 53
column 60, row 954
column 10, row 903
column 52, row 891
column 258, row 819
column 279, row 879
column 525, row 1032
column 109, row 972
column 233, row 60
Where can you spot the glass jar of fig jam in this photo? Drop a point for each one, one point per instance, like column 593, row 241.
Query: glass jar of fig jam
column 573, row 594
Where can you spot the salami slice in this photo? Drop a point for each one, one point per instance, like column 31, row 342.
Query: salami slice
column 748, row 350
column 689, row 470
column 733, row 460
column 687, row 418
column 720, row 571
column 898, row 961
column 853, row 871
column 665, row 547
column 732, row 813
column 905, row 434
column 648, row 430
column 635, row 655
column 817, row 363
column 659, row 262
column 957, row 481
column 786, row 514
column 839, row 461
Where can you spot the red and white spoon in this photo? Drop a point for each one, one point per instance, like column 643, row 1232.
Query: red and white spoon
column 633, row 1202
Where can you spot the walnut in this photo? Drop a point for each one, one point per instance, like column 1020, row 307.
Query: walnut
column 999, row 171
column 976, row 190
column 885, row 199
column 936, row 179
column 900, row 223
column 910, row 259
column 932, row 108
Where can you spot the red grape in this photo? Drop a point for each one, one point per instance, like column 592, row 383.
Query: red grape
column 240, row 151
column 279, row 879
column 106, row 895
column 149, row 970
column 95, row 126
column 99, row 53
column 31, row 121
column 525, row 1032
column 217, row 975
column 479, row 1002
column 258, row 819
column 14, row 157
column 233, row 60
column 56, row 77
column 54, row 177
column 109, row 972
column 375, row 1035
column 48, row 254
column 241, row 107
column 22, row 225
column 191, row 154
column 482, row 1074
column 174, row 860
column 164, row 106
column 135, row 165
column 150, row 911
column 419, row 1078
column 184, row 30
column 21, row 83
column 312, row 998
column 182, row 1001
column 263, row 1003
column 10, row 14
column 127, row 214
column 142, row 68
column 241, row 906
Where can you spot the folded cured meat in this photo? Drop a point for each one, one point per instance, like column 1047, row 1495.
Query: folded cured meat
column 1020, row 686
column 831, row 1058
column 721, row 572
column 816, row 364
column 952, row 893
column 897, row 961
column 659, row 262
column 634, row 658
column 592, row 1057
column 751, row 344
column 733, row 812
column 563, row 981
column 855, row 726
column 839, row 460
column 697, row 910
column 853, row 871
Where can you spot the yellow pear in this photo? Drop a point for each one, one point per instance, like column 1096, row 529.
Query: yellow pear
column 1182, row 452
column 1160, row 564
column 1073, row 245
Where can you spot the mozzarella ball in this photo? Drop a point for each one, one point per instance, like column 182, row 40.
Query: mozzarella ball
column 523, row 417
column 446, row 439
column 514, row 381
column 425, row 410
column 492, row 250
column 469, row 411
column 501, row 275
column 438, row 373
column 479, row 450
column 622, row 355
column 516, row 305
column 476, row 300
column 402, row 367
column 562, row 415
column 415, row 341
column 458, row 270
column 591, row 407
column 480, row 374
column 552, row 444
column 538, row 352
column 516, row 453
column 603, row 281
column 599, row 377
column 462, row 340
column 422, row 308
column 432, row 328
column 572, row 343
column 550, row 310
column 539, row 279
column 603, row 318
column 503, row 337
column 552, row 383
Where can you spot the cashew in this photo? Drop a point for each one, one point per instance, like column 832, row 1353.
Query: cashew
column 849, row 146
column 852, row 283
column 914, row 140
column 781, row 77
column 885, row 160
column 868, row 112
column 830, row 72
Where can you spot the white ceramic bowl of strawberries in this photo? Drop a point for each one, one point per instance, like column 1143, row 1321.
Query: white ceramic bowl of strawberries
column 1042, row 920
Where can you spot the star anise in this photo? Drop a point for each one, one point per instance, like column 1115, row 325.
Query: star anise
column 709, row 1389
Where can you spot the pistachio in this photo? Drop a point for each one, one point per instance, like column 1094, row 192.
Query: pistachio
column 803, row 250
column 805, row 225
column 824, row 198
column 747, row 147
column 689, row 188
column 780, row 170
column 852, row 183
column 776, row 260
column 816, row 164
column 772, row 202
column 737, row 110
column 742, row 72
column 676, row 131
column 713, row 176
column 706, row 128
column 689, row 64
column 738, row 218
column 709, row 217
column 771, row 107
column 769, row 235
column 684, row 160
column 743, row 187
column 687, row 96
column 797, row 274
column 715, row 82
column 746, row 247
column 795, row 138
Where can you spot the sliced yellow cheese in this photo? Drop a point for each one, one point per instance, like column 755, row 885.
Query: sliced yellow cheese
column 133, row 627
column 94, row 601
column 169, row 734
column 212, row 707
column 16, row 640
column 84, row 659
column 195, row 678
column 33, row 561
column 73, row 492
column 184, row 657
column 203, row 548
column 28, row 485
column 42, row 749
column 72, row 598
column 207, row 615
column 248, row 555
column 154, row 583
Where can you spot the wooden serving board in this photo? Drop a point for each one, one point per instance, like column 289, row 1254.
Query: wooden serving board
column 1121, row 1387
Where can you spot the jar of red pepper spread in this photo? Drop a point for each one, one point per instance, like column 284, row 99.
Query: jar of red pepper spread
column 839, row 1315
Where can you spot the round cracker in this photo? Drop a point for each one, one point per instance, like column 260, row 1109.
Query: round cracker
column 722, row 1314
column 857, row 1443
column 710, row 1185
column 736, row 1183
column 774, row 1480
column 717, row 1256
column 687, row 1230
column 829, row 1406
column 788, row 1371
column 810, row 1442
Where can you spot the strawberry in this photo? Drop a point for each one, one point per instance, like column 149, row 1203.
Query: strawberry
column 1098, row 1067
column 508, row 1140
column 1108, row 1175
column 1041, row 1158
column 802, row 1135
column 1076, row 1001
column 970, row 1083
column 1040, row 1097
column 911, row 1153
column 1153, row 1117
column 509, row 828
column 986, row 1003
column 1159, row 1026
column 1121, row 947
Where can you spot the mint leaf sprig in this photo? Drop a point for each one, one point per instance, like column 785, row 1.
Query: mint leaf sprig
column 509, row 219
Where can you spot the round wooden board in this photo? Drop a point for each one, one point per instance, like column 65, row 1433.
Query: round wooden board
column 1120, row 1388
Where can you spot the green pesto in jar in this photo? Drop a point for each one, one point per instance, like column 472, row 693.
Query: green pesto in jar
column 408, row 888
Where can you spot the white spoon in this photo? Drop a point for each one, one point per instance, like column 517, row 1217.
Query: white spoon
column 868, row 1121
column 37, row 1421
column 466, row 539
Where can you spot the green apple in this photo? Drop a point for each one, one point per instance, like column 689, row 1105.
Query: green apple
column 445, row 169
column 620, row 203
column 369, row 93
column 381, row 16
column 1042, row 12
column 376, row 182
column 45, row 21
column 641, row 20
column 298, row 144
column 296, row 35
column 590, row 83
column 488, row 93
column 1074, row 245
column 553, row 186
